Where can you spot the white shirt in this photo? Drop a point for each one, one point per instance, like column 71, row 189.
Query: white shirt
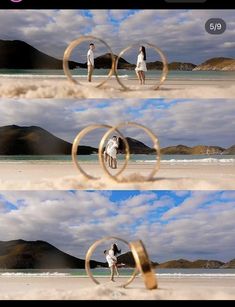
column 90, row 57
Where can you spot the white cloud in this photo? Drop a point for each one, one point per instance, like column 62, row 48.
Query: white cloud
column 193, row 122
column 72, row 221
column 190, row 204
column 181, row 34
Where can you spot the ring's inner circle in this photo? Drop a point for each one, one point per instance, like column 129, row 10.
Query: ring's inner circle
column 135, row 73
column 79, row 58
column 104, row 261
column 87, row 152
column 144, row 152
column 114, row 153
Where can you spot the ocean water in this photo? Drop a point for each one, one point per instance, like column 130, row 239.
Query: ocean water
column 173, row 159
column 127, row 74
column 163, row 273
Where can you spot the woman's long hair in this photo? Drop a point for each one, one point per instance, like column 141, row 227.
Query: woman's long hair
column 116, row 250
column 144, row 52
column 121, row 145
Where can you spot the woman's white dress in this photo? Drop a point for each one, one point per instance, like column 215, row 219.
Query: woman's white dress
column 111, row 259
column 111, row 149
column 141, row 64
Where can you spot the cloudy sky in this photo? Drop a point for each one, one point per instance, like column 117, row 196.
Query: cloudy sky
column 180, row 33
column 188, row 122
column 172, row 224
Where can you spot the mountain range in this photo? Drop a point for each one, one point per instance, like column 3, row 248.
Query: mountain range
column 15, row 140
column 33, row 140
column 21, row 254
column 16, row 54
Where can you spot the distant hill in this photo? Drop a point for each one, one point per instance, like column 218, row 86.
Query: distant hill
column 136, row 147
column 20, row 254
column 129, row 261
column 154, row 65
column 171, row 66
column 186, row 264
column 230, row 151
column 217, row 64
column 16, row 54
column 105, row 61
column 15, row 140
column 229, row 265
column 196, row 150
column 126, row 259
column 181, row 66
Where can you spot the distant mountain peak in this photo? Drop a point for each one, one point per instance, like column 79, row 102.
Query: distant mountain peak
column 17, row 54
column 34, row 140
column 22, row 254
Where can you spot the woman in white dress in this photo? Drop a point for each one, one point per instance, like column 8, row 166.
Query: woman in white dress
column 141, row 67
column 111, row 151
column 111, row 257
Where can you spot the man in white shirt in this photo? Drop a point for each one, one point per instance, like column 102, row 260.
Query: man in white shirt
column 90, row 61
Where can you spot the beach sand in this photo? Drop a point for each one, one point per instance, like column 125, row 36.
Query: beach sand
column 81, row 288
column 64, row 176
column 24, row 87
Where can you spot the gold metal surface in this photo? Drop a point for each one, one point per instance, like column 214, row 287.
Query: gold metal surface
column 81, row 135
column 156, row 146
column 143, row 264
column 69, row 51
column 90, row 253
column 164, row 70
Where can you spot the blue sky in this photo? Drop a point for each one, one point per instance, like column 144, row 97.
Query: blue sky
column 179, row 121
column 173, row 224
column 180, row 34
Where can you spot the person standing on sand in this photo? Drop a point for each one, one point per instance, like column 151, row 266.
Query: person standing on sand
column 90, row 61
column 111, row 257
column 111, row 152
column 141, row 67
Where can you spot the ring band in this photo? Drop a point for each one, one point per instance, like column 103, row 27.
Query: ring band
column 141, row 258
column 81, row 135
column 156, row 146
column 90, row 253
column 164, row 70
column 143, row 264
column 73, row 45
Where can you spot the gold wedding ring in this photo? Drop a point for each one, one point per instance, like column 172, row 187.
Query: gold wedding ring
column 69, row 51
column 142, row 262
column 114, row 67
column 156, row 147
column 90, row 253
column 82, row 134
column 164, row 62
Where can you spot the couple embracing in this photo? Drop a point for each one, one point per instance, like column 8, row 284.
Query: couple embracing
column 110, row 153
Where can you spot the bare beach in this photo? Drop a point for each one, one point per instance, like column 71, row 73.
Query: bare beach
column 81, row 288
column 64, row 176
column 54, row 87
